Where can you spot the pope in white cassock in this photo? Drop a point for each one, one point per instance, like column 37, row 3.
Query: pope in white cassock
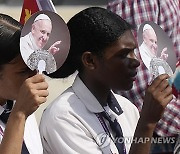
column 148, row 51
column 38, row 38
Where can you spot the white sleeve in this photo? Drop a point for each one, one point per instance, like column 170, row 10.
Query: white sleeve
column 67, row 135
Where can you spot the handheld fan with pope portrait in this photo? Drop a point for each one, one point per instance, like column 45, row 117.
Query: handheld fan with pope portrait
column 45, row 42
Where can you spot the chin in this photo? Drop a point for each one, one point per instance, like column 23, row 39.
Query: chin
column 124, row 87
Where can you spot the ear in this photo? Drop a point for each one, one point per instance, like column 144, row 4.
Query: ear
column 89, row 60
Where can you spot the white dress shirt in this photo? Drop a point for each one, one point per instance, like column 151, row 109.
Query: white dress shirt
column 69, row 125
column 31, row 134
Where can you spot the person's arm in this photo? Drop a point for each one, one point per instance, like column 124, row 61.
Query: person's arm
column 157, row 96
column 32, row 93
column 13, row 135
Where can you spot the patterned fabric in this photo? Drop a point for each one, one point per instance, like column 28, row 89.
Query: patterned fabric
column 177, row 147
column 156, row 63
column 166, row 14
column 36, row 56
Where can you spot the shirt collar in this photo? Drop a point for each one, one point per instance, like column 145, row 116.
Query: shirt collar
column 90, row 101
column 5, row 106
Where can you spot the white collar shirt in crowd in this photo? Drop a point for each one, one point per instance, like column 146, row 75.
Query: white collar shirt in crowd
column 69, row 125
column 31, row 134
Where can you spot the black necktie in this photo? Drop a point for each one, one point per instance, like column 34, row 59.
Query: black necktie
column 116, row 128
column 4, row 118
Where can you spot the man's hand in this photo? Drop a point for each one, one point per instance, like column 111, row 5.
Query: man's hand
column 54, row 49
column 164, row 55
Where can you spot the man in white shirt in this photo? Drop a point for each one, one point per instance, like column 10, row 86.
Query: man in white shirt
column 38, row 37
column 148, row 49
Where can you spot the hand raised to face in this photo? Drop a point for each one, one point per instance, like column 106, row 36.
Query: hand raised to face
column 32, row 94
column 157, row 96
